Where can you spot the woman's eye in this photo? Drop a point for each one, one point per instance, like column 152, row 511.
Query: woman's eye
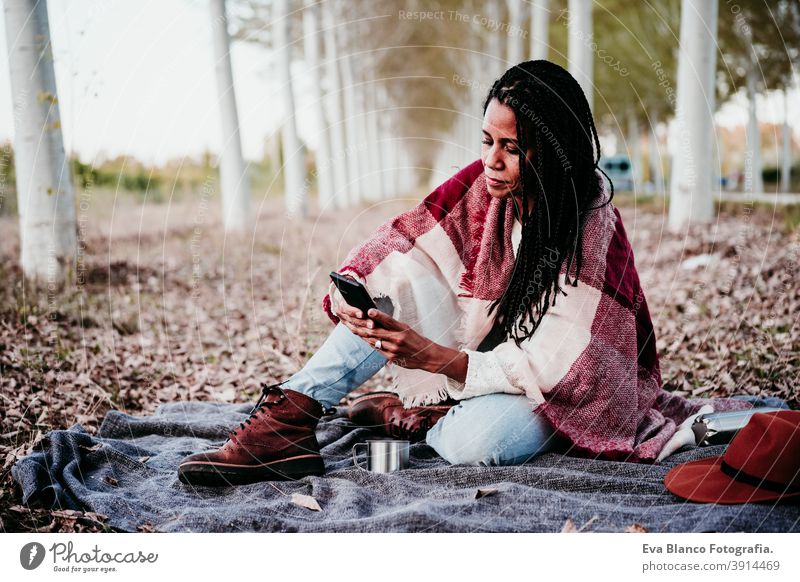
column 487, row 142
column 512, row 151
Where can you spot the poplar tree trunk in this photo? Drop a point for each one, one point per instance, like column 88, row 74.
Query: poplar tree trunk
column 324, row 164
column 753, row 180
column 515, row 44
column 540, row 24
column 495, row 56
column 342, row 180
column 46, row 199
column 656, row 172
column 634, row 150
column 234, row 183
column 690, row 187
column 373, row 151
column 786, row 149
column 356, row 143
column 293, row 163
column 579, row 47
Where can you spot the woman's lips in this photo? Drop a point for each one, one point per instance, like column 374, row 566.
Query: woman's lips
column 496, row 183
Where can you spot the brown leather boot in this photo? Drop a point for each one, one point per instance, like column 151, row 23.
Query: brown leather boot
column 276, row 442
column 384, row 412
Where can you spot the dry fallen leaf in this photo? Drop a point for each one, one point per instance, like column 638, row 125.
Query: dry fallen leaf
column 635, row 528
column 111, row 481
column 569, row 525
column 305, row 501
column 484, row 493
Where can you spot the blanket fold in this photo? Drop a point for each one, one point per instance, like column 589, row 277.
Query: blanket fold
column 591, row 368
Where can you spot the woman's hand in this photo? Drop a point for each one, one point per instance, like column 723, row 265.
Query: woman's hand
column 405, row 347
column 350, row 316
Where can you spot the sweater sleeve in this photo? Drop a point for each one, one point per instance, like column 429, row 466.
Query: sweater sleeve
column 543, row 359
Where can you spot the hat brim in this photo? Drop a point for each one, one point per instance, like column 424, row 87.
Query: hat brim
column 703, row 481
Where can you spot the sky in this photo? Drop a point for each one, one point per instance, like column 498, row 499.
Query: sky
column 137, row 78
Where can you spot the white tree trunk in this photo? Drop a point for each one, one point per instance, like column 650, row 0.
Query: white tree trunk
column 540, row 27
column 361, row 152
column 656, row 173
column 355, row 142
column 515, row 40
column 497, row 64
column 374, row 151
column 46, row 199
column 635, row 150
column 342, row 181
column 388, row 144
column 324, row 165
column 753, row 180
column 690, row 186
column 293, row 163
column 234, row 182
column 274, row 150
column 579, row 51
column 786, row 149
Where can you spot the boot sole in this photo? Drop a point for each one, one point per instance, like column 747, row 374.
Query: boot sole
column 208, row 473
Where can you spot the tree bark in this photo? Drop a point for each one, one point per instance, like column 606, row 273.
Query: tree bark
column 343, row 181
column 579, row 50
column 324, row 164
column 540, row 26
column 656, row 172
column 634, row 150
column 515, row 44
column 753, row 178
column 234, row 182
column 690, row 186
column 786, row 149
column 46, row 199
column 295, row 190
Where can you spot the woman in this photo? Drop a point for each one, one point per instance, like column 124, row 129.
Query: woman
column 475, row 315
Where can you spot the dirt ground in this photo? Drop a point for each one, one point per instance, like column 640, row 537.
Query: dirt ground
column 167, row 307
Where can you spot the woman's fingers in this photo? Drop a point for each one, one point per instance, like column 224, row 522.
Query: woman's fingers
column 349, row 310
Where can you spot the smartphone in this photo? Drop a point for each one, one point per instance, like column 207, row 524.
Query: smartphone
column 353, row 292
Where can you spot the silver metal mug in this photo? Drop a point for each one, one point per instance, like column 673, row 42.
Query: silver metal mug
column 383, row 456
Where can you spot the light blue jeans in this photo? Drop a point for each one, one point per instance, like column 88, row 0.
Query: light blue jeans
column 494, row 429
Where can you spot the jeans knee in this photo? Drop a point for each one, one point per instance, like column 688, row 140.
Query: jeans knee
column 508, row 440
column 457, row 451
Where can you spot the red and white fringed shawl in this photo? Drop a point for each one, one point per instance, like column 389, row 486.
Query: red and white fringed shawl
column 591, row 367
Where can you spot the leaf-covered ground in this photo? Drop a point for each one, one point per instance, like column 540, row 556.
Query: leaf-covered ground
column 168, row 307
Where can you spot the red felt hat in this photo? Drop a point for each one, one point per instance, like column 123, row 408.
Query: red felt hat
column 761, row 463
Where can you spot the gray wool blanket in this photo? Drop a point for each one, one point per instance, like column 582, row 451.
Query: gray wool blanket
column 128, row 472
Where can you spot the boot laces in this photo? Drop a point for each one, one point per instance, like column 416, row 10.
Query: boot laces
column 261, row 404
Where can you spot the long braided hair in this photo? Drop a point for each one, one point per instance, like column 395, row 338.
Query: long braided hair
column 553, row 117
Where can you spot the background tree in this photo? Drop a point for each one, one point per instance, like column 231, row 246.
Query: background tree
column 45, row 195
column 758, row 46
column 690, row 187
column 234, row 182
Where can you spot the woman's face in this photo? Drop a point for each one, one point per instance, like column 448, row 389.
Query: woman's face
column 500, row 154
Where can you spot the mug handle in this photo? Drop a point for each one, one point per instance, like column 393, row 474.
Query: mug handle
column 355, row 460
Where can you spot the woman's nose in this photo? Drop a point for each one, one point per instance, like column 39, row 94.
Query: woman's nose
column 493, row 159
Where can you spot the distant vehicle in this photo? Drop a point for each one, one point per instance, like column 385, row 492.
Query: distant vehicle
column 619, row 170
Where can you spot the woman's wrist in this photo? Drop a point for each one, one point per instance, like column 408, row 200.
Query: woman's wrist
column 452, row 363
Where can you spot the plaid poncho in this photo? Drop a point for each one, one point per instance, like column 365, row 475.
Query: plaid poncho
column 591, row 367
